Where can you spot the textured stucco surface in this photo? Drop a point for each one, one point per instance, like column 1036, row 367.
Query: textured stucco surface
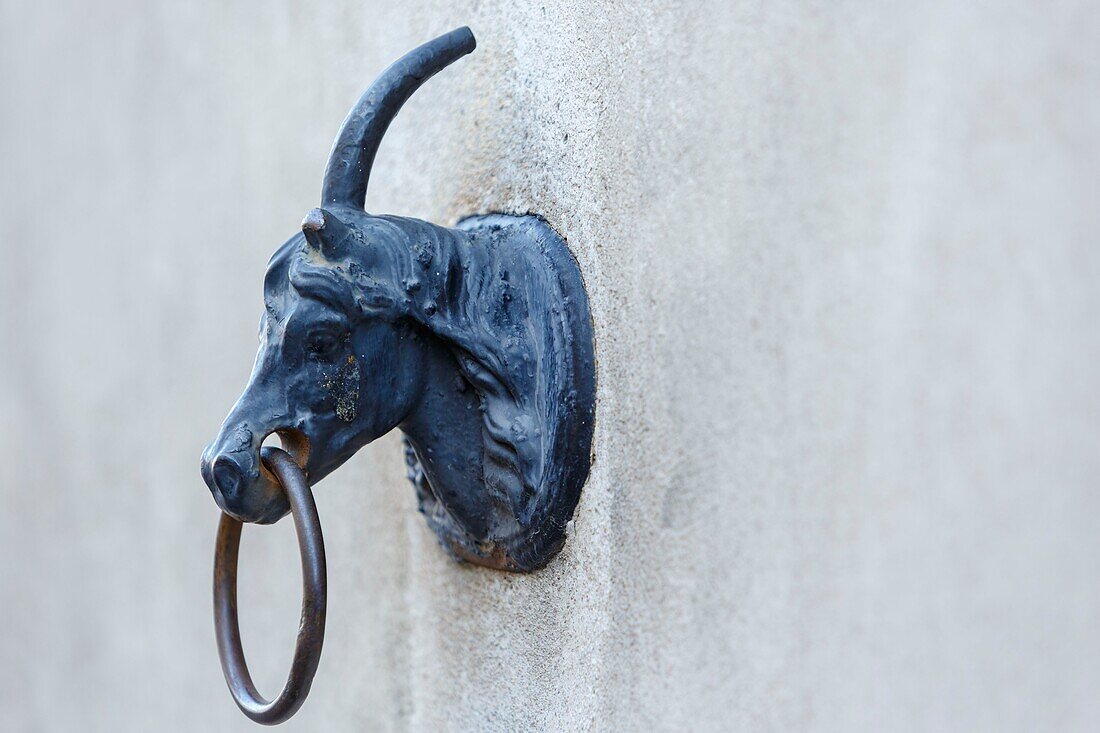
column 843, row 261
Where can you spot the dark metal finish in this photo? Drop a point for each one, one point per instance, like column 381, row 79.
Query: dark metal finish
column 353, row 152
column 476, row 341
column 311, row 630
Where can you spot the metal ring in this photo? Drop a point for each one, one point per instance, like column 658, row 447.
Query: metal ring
column 311, row 630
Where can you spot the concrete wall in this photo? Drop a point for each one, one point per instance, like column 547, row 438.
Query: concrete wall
column 843, row 260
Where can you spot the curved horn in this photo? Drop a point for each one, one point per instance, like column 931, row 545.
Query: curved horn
column 353, row 152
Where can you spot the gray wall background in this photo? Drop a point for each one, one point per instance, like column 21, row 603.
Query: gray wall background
column 843, row 260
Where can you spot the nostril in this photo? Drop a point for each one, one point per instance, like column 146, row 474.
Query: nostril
column 228, row 477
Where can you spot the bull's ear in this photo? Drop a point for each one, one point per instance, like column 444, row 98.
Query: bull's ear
column 327, row 234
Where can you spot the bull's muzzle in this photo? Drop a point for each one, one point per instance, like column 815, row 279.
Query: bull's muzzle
column 240, row 485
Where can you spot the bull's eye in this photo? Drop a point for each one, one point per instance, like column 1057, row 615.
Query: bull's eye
column 324, row 345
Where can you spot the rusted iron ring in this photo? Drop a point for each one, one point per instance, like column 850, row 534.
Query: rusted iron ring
column 311, row 630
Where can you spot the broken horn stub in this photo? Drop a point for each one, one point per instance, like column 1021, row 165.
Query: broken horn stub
column 325, row 233
column 314, row 221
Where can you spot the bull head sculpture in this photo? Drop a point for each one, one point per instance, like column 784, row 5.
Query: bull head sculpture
column 475, row 341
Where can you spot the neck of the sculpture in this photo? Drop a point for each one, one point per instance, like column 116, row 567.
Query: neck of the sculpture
column 445, row 429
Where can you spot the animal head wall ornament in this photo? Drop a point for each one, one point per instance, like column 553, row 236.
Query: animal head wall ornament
column 475, row 341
